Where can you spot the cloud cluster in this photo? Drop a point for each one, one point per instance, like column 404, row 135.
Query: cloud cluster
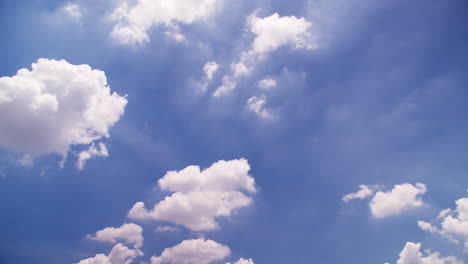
column 201, row 196
column 198, row 251
column 129, row 233
column 119, row 254
column 133, row 23
column 271, row 33
column 63, row 104
column 411, row 254
column 453, row 224
column 384, row 204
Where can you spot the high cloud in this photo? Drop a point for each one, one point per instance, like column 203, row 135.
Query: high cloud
column 256, row 104
column 403, row 197
column 201, row 196
column 90, row 153
column 271, row 33
column 119, row 254
column 364, row 192
column 452, row 224
column 133, row 23
column 130, row 233
column 198, row 251
column 411, row 254
column 63, row 104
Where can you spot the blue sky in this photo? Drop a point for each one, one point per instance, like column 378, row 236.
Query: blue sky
column 365, row 93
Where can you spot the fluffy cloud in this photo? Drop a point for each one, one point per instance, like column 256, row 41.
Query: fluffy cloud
column 201, row 196
column 411, row 254
column 209, row 69
column 63, row 104
column 90, row 153
column 119, row 254
column 271, row 33
column 198, row 251
column 364, row 192
column 132, row 24
column 453, row 224
column 130, row 233
column 257, row 105
column 243, row 261
column 266, row 84
column 401, row 198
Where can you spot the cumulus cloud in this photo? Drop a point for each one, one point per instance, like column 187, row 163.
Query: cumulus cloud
column 257, row 105
column 133, row 23
column 243, row 261
column 364, row 192
column 119, row 254
column 62, row 104
column 130, row 233
column 271, row 33
column 452, row 224
column 209, row 69
column 198, row 251
column 411, row 254
column 90, row 153
column 403, row 197
column 266, row 84
column 201, row 196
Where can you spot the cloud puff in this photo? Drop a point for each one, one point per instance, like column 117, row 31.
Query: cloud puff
column 56, row 105
column 132, row 24
column 257, row 105
column 209, row 69
column 364, row 192
column 453, row 224
column 411, row 254
column 266, row 84
column 271, row 33
column 201, row 196
column 130, row 233
column 90, row 153
column 243, row 261
column 119, row 254
column 401, row 198
column 198, row 251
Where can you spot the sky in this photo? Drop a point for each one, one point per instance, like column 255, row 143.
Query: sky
column 240, row 132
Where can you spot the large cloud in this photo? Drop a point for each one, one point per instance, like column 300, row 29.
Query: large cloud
column 411, row 254
column 197, row 251
column 452, row 224
column 401, row 198
column 130, row 233
column 201, row 196
column 132, row 24
column 271, row 33
column 56, row 105
column 119, row 254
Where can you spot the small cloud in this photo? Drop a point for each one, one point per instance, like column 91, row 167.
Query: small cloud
column 72, row 10
column 166, row 229
column 90, row 153
column 266, row 84
column 257, row 105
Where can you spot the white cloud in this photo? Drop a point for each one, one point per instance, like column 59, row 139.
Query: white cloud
column 72, row 10
column 271, row 33
column 411, row 254
column 201, row 196
column 243, row 261
column 453, row 224
column 209, row 69
column 119, row 254
column 130, row 233
column 90, row 153
column 166, row 229
column 133, row 24
column 257, row 105
column 266, row 84
column 197, row 251
column 403, row 197
column 364, row 192
column 63, row 104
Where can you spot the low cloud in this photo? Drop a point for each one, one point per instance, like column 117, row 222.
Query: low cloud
column 411, row 254
column 198, row 251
